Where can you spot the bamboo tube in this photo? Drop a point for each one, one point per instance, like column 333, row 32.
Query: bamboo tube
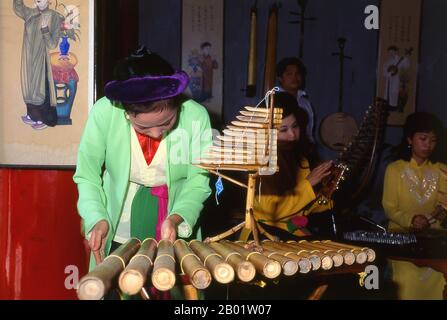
column 133, row 278
column 289, row 266
column 326, row 262
column 163, row 274
column 304, row 264
column 348, row 256
column 267, row 267
column 262, row 119
column 362, row 254
column 222, row 272
column 263, row 109
column 314, row 259
column 249, row 202
column 336, row 257
column 95, row 284
column 191, row 265
column 229, row 179
column 242, row 124
column 225, row 234
column 253, row 113
column 245, row 270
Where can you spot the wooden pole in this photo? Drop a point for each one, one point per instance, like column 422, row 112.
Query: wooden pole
column 250, row 199
column 225, row 234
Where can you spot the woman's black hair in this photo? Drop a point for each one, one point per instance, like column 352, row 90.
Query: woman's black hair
column 305, row 148
column 421, row 122
column 140, row 63
column 290, row 159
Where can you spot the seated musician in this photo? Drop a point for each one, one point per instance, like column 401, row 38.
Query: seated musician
column 145, row 135
column 410, row 196
column 289, row 196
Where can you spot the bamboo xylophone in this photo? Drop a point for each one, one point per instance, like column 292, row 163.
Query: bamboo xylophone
column 137, row 263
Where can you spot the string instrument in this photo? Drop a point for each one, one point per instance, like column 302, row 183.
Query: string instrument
column 430, row 243
column 251, row 74
column 270, row 52
column 302, row 22
column 337, row 129
column 137, row 263
column 357, row 158
column 394, row 69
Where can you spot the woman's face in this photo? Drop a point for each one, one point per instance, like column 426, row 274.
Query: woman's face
column 422, row 145
column 289, row 129
column 154, row 124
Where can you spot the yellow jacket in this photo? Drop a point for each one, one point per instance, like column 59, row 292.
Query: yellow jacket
column 411, row 189
column 279, row 210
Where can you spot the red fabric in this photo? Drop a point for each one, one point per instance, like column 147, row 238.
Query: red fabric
column 148, row 145
column 300, row 221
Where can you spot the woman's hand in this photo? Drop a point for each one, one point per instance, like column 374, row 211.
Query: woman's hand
column 319, row 172
column 169, row 227
column 420, row 222
column 98, row 239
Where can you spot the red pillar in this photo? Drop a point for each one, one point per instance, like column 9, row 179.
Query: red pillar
column 39, row 234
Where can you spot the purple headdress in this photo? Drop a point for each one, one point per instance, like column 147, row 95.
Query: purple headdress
column 147, row 88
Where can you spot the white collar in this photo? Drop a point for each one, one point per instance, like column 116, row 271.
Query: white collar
column 299, row 94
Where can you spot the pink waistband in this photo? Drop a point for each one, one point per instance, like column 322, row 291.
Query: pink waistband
column 161, row 193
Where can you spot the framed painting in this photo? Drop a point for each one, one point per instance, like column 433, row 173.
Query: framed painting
column 202, row 52
column 46, row 80
column 398, row 56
